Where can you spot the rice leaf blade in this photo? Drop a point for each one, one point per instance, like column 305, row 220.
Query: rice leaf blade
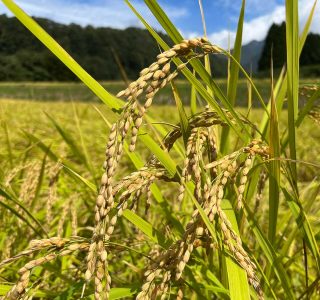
column 184, row 124
column 233, row 75
column 237, row 277
column 303, row 224
column 292, row 39
column 274, row 167
column 145, row 227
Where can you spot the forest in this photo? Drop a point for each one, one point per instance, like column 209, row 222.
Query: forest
column 111, row 54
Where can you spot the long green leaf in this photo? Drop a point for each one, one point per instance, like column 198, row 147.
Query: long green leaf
column 145, row 227
column 233, row 76
column 274, row 168
column 309, row 105
column 237, row 277
column 69, row 140
column 292, row 39
column 271, row 255
column 162, row 155
column 281, row 86
column 193, row 98
column 303, row 225
column 12, row 198
column 119, row 293
column 18, row 215
column 75, row 175
column 184, row 124
column 205, row 76
column 164, row 21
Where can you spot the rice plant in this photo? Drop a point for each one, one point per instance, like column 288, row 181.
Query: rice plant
column 211, row 207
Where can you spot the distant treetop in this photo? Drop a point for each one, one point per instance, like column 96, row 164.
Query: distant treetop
column 275, row 43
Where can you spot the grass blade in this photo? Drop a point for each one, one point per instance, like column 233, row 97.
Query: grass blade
column 271, row 255
column 165, row 22
column 233, row 76
column 184, row 124
column 292, row 38
column 309, row 105
column 281, row 86
column 237, row 277
column 193, row 98
column 119, row 293
column 145, row 227
column 274, row 167
column 12, row 198
column 205, row 76
column 18, row 215
column 303, row 225
column 69, row 140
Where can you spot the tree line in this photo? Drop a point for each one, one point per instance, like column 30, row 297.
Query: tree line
column 275, row 47
column 100, row 51
column 106, row 52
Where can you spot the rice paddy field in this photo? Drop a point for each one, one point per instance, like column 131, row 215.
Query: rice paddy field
column 83, row 120
column 78, row 92
column 164, row 188
column 52, row 151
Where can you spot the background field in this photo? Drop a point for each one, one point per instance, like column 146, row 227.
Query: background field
column 78, row 92
column 25, row 116
column 184, row 197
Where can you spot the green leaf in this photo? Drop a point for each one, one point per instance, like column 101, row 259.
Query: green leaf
column 145, row 227
column 4, row 288
column 281, row 86
column 193, row 98
column 12, row 198
column 237, row 277
column 46, row 149
column 303, row 225
column 292, row 39
column 308, row 106
column 119, row 293
column 274, row 168
column 233, row 76
column 271, row 255
column 205, row 76
column 74, row 174
column 165, row 22
column 69, row 140
column 306, row 28
column 184, row 124
column 162, row 155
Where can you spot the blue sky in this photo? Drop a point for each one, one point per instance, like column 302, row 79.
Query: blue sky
column 221, row 15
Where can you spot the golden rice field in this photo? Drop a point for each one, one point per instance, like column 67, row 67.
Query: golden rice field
column 42, row 140
column 23, row 116
column 129, row 199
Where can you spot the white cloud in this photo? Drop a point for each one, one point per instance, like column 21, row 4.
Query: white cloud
column 115, row 13
column 305, row 7
column 112, row 13
column 257, row 28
